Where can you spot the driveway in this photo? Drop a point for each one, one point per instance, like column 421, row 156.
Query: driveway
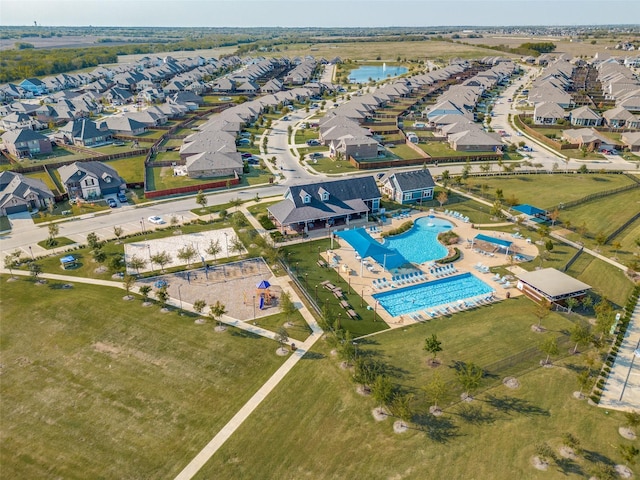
column 20, row 221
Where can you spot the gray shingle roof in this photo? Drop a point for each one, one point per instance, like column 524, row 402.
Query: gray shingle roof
column 412, row 180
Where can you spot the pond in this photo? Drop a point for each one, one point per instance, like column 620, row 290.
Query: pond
column 375, row 72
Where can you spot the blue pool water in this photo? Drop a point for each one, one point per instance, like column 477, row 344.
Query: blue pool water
column 420, row 244
column 431, row 294
column 375, row 72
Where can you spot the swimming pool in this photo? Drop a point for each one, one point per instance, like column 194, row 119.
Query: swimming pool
column 420, row 244
column 431, row 294
column 375, row 72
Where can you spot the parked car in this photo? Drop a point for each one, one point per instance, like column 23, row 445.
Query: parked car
column 246, row 155
column 112, row 203
column 253, row 160
column 285, row 118
column 122, row 197
column 156, row 220
column 313, row 142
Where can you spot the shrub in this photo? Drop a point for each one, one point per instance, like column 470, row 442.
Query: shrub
column 452, row 258
column 397, row 231
column 266, row 222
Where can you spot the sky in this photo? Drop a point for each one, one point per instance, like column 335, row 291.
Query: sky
column 317, row 13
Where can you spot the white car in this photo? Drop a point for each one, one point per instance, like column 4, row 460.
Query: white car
column 156, row 220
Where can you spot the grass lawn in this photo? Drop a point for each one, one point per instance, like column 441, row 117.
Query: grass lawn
column 316, row 424
column 580, row 155
column 545, row 191
column 151, row 133
column 261, row 208
column 45, row 216
column 404, row 152
column 167, row 156
column 302, row 258
column 113, row 149
column 298, row 331
column 60, row 242
column 604, row 214
column 606, row 279
column 307, row 150
column 256, row 176
column 132, row 394
column 5, row 224
column 307, row 134
column 162, row 178
column 173, row 143
column 44, row 177
column 331, row 166
column 131, row 168
column 441, row 149
column 59, row 154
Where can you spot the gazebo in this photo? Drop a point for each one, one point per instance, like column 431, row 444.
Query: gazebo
column 502, row 244
column 68, row 261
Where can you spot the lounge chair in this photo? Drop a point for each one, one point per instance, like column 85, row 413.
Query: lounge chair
column 352, row 313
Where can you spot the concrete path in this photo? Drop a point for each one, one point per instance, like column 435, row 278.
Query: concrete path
column 247, row 409
column 622, row 390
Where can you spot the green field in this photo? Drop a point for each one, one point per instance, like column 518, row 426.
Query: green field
column 545, row 191
column 162, row 178
column 440, row 149
column 322, row 429
column 131, row 168
column 131, row 394
column 43, row 176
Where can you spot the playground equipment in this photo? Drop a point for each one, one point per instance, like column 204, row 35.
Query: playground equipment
column 263, row 293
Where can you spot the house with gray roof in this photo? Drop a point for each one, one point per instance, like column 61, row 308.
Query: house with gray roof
column 123, row 125
column 584, row 117
column 84, row 132
column 474, row 140
column 15, row 121
column 210, row 164
column 326, row 204
column 548, row 113
column 631, row 140
column 26, row 143
column 359, row 147
column 618, row 117
column 19, row 193
column 90, row 180
column 408, row 187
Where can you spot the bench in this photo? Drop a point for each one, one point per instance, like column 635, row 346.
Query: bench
column 322, row 263
column 352, row 313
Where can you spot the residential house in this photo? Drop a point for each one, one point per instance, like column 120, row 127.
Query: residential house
column 326, row 204
column 90, row 180
column 84, row 132
column 474, row 140
column 631, row 140
column 587, row 138
column 548, row 113
column 354, row 146
column 214, row 164
column 618, row 117
column 26, row 143
column 584, row 117
column 408, row 187
column 17, row 121
column 34, row 85
column 19, row 193
column 125, row 126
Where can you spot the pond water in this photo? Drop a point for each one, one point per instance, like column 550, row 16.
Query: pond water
column 375, row 72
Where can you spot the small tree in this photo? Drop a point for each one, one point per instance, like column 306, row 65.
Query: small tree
column 10, row 263
column 161, row 258
column 54, row 229
column 571, row 441
column 286, row 305
column 496, row 209
column 174, row 222
column 128, row 282
column 137, row 263
column 282, row 337
column 214, row 248
column 542, row 310
column 442, row 198
column 35, row 269
column 603, row 471
column 401, row 407
column 469, row 375
column 572, row 303
column 433, row 346
column 600, row 238
column 632, row 419
column 584, row 380
column 99, row 255
column 236, row 245
column 549, row 346
column 436, row 389
column 382, row 390
column 162, row 295
column 117, row 231
column 92, row 240
column 217, row 310
column 187, row 253
column 201, row 200
column 554, row 216
column 544, row 452
column 581, row 334
column 145, row 290
column 199, row 305
column 628, row 453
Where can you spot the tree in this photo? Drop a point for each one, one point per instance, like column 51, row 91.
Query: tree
column 236, row 245
column 187, row 253
column 161, row 258
column 572, row 303
column 137, row 263
column 436, row 389
column 10, row 263
column 571, row 441
column 127, row 282
column 469, row 375
column 286, row 305
column 214, row 248
column 601, row 238
column 35, row 269
column 548, row 245
column 542, row 310
column 616, row 246
column 554, row 217
column 496, row 209
column 174, row 222
column 544, row 452
column 544, row 231
column 628, row 453
column 282, row 337
column 584, row 380
column 382, row 390
column 162, row 295
column 446, row 178
column 199, row 305
column 117, row 231
column 201, row 199
column 549, row 346
column 54, row 229
column 99, row 255
column 442, row 198
column 400, row 407
column 632, row 419
column 433, row 346
column 145, row 290
column 92, row 240
column 235, row 202
column 499, row 194
column 217, row 310
column 581, row 334
column 603, row 471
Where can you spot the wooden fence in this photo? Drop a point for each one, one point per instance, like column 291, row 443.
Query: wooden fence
column 191, row 188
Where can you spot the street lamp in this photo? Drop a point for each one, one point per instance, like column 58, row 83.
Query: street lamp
column 306, row 278
column 226, row 242
column 375, row 310
column 362, row 298
column 142, row 224
column 316, row 293
column 254, row 309
column 180, row 298
column 31, row 252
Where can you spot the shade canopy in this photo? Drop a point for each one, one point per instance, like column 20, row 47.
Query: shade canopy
column 263, row 285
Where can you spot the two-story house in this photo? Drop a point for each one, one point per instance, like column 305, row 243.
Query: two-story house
column 90, row 180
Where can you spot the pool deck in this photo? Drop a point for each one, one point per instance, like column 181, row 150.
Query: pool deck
column 362, row 275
